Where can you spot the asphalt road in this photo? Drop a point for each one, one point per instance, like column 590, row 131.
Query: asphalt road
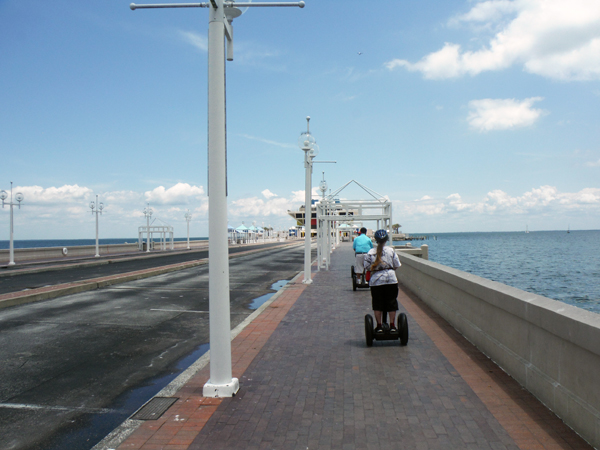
column 73, row 368
column 19, row 282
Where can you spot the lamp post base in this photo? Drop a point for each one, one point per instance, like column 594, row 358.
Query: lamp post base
column 307, row 281
column 11, row 263
column 221, row 390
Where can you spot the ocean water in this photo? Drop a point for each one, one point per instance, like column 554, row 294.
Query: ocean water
column 556, row 264
column 39, row 243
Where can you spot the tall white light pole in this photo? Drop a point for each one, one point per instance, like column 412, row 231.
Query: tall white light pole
column 148, row 214
column 309, row 146
column 19, row 198
column 221, row 14
column 97, row 209
column 188, row 217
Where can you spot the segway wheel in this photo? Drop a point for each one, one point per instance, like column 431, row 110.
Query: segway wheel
column 403, row 328
column 369, row 330
column 354, row 283
column 352, row 271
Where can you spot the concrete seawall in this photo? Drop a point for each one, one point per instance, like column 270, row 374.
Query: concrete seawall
column 552, row 349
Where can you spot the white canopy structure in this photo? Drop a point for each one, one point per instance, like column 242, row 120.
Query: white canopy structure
column 252, row 233
column 165, row 232
column 331, row 213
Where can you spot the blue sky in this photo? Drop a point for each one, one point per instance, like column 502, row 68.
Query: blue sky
column 468, row 115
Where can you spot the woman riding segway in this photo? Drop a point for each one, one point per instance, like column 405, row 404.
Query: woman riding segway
column 383, row 262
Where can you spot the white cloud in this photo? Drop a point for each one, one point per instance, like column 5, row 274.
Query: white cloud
column 255, row 54
column 63, row 211
column 254, row 207
column 556, row 39
column 56, row 212
column 455, row 201
column 197, row 40
column 245, row 53
column 588, row 197
column 503, row 114
column 297, row 197
column 122, row 197
column 272, row 206
column 181, row 193
column 268, row 141
column 488, row 11
column 53, row 195
column 542, row 200
column 593, row 163
column 268, row 194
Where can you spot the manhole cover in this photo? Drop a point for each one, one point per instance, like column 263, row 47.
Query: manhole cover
column 154, row 408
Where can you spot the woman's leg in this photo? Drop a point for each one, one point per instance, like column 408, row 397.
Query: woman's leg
column 392, row 318
column 378, row 315
column 393, row 304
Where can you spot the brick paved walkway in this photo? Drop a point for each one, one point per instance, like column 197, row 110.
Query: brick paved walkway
column 309, row 381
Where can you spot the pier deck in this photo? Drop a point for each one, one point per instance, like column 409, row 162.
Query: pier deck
column 309, row 381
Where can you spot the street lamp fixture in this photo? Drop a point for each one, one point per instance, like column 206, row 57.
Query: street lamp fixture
column 323, row 186
column 19, row 198
column 148, row 213
column 97, row 209
column 221, row 15
column 188, row 217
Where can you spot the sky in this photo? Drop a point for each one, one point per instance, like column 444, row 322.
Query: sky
column 468, row 115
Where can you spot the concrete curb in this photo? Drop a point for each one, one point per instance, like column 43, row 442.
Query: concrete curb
column 46, row 293
column 26, row 267
column 30, row 267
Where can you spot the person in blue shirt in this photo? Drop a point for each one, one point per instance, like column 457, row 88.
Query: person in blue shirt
column 361, row 245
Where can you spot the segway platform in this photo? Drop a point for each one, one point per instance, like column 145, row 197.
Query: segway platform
column 401, row 332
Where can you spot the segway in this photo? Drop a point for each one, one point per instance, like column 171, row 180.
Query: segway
column 387, row 334
column 358, row 279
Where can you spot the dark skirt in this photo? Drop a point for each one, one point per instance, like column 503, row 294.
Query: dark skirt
column 385, row 297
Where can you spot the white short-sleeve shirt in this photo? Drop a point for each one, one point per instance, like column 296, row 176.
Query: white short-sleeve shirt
column 384, row 273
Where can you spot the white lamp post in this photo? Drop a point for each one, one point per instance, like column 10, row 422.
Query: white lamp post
column 221, row 15
column 148, row 214
column 97, row 209
column 309, row 146
column 19, row 198
column 188, row 217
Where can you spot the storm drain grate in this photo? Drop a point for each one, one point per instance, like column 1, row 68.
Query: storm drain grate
column 154, row 408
